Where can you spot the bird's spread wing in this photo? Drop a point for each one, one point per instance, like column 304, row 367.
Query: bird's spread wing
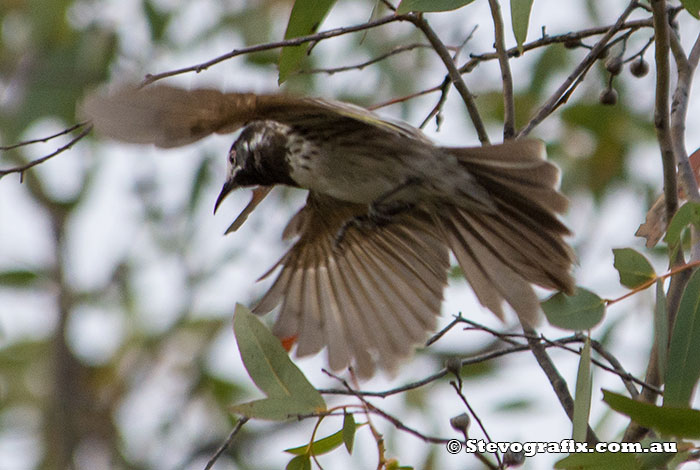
column 370, row 300
column 171, row 117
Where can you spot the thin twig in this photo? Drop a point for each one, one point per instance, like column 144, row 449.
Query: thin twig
column 362, row 65
column 443, row 372
column 226, row 443
column 404, row 98
column 476, row 418
column 44, row 139
column 150, row 78
column 21, row 169
column 556, row 39
column 445, row 87
column 506, row 76
column 454, row 74
column 393, row 420
column 550, row 105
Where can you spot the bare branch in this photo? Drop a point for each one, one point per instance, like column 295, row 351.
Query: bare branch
column 506, row 76
column 43, row 139
column 557, row 39
column 21, row 169
column 362, row 65
column 393, row 420
column 226, row 443
column 150, row 78
column 454, row 74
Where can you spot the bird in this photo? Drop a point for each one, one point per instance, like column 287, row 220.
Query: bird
column 370, row 249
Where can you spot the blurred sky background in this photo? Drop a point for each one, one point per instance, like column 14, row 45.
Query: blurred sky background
column 114, row 273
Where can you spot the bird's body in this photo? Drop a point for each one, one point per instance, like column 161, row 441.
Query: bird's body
column 386, row 206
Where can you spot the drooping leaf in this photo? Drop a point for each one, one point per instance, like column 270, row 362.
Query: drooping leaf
column 349, row 427
column 693, row 7
column 670, row 420
column 305, row 18
column 582, row 401
column 520, row 18
column 320, row 446
column 689, row 213
column 580, row 311
column 430, row 5
column 269, row 366
column 683, row 366
column 661, row 328
column 300, row 462
column 634, row 269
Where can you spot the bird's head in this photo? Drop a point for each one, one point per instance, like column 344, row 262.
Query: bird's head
column 257, row 158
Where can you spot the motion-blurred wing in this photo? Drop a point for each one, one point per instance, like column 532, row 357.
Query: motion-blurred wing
column 171, row 117
column 369, row 301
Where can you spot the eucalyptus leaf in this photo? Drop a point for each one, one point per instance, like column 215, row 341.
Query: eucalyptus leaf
column 582, row 401
column 634, row 269
column 430, row 5
column 269, row 366
column 520, row 18
column 683, row 366
column 305, row 19
column 581, row 311
column 669, row 420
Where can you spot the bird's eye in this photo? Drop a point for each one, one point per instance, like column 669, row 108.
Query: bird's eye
column 232, row 156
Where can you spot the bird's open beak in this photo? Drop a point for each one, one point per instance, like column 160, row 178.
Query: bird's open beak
column 228, row 187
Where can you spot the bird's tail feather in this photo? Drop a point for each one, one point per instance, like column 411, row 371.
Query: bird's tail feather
column 521, row 242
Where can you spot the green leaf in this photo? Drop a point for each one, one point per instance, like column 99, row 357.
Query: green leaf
column 201, row 178
column 300, row 462
column 269, row 366
column 634, row 269
column 520, row 18
column 430, row 5
column 320, row 446
column 693, row 7
column 582, row 402
column 580, row 311
column 669, row 420
column 273, row 409
column 599, row 461
column 689, row 213
column 305, row 18
column 18, row 278
column 157, row 21
column 349, row 428
column 661, row 328
column 683, row 366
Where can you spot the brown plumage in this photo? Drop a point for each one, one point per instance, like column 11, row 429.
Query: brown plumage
column 366, row 273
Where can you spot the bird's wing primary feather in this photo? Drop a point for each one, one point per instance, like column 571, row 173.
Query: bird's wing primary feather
column 369, row 301
column 172, row 117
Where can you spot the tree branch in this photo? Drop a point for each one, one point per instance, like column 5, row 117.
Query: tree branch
column 226, row 443
column 506, row 76
column 150, row 78
column 454, row 74
column 21, row 169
